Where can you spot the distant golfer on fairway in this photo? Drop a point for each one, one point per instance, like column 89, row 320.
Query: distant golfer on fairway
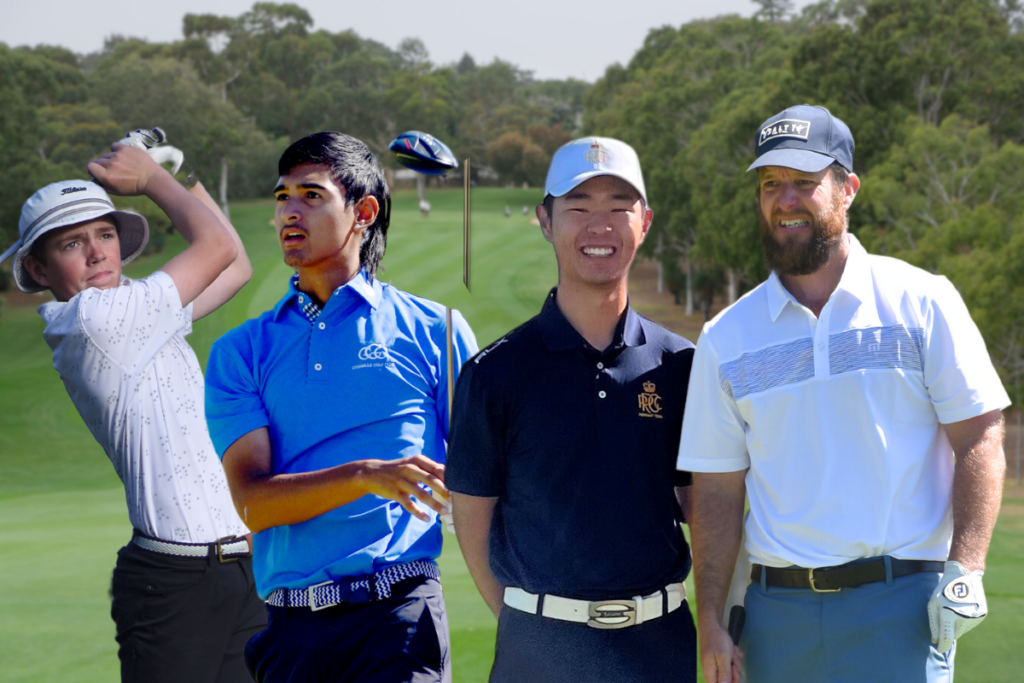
column 562, row 461
column 850, row 396
column 330, row 412
column 184, row 599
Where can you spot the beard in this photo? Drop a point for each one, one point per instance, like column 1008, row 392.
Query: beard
column 803, row 258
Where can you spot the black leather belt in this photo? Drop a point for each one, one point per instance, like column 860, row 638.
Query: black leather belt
column 834, row 579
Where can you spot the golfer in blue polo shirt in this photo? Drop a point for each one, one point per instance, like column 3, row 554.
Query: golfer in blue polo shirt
column 330, row 415
column 562, row 459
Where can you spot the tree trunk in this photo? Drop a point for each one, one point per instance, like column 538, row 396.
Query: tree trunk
column 661, row 277
column 421, row 187
column 732, row 292
column 1018, row 445
column 689, row 286
column 224, row 186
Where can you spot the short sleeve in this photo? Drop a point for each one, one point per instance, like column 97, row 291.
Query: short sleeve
column 714, row 436
column 464, row 347
column 958, row 372
column 476, row 451
column 234, row 406
column 131, row 323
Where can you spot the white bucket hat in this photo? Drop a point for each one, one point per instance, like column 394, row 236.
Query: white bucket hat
column 580, row 160
column 66, row 203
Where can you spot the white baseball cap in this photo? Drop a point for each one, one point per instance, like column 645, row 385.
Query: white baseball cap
column 66, row 203
column 580, row 160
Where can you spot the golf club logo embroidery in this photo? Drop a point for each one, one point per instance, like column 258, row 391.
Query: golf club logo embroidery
column 650, row 402
column 958, row 591
column 373, row 356
column 69, row 190
column 785, row 128
column 373, row 352
column 596, row 154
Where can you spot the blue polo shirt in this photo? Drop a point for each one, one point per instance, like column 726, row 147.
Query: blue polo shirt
column 579, row 446
column 366, row 379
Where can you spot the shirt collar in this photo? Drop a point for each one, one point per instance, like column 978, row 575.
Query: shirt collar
column 856, row 281
column 370, row 292
column 560, row 335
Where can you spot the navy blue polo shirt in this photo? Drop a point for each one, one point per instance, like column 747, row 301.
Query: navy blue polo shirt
column 366, row 379
column 579, row 446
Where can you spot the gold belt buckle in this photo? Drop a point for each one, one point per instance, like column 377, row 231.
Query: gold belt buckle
column 810, row 578
column 611, row 614
column 220, row 549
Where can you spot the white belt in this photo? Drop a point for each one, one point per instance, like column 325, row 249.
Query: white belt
column 228, row 549
column 603, row 614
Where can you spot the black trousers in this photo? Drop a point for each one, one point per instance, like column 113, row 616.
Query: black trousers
column 537, row 649
column 403, row 639
column 183, row 618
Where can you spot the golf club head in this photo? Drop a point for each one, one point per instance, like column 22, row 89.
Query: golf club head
column 423, row 153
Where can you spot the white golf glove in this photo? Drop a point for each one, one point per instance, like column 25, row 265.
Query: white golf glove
column 147, row 141
column 144, row 139
column 957, row 605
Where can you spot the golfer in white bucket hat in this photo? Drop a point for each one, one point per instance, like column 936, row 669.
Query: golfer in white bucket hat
column 63, row 204
column 184, row 600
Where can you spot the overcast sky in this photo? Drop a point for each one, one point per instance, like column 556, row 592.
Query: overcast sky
column 552, row 38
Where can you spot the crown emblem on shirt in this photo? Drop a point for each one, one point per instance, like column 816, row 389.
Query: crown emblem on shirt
column 650, row 402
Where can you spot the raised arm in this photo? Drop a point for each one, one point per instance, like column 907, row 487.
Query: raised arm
column 715, row 531
column 473, row 515
column 234, row 277
column 265, row 500
column 130, row 171
column 977, row 485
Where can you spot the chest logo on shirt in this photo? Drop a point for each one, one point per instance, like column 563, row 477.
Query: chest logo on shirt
column 373, row 356
column 650, row 402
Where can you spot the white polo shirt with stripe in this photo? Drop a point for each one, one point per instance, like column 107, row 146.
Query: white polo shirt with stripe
column 838, row 417
column 122, row 355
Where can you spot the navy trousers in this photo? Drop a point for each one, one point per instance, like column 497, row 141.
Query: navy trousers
column 537, row 649
column 403, row 639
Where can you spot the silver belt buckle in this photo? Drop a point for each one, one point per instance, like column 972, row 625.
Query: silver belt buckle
column 612, row 614
column 313, row 607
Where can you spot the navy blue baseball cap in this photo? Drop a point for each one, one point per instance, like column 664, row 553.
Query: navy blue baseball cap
column 804, row 138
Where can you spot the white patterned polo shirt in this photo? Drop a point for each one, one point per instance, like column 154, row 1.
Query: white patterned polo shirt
column 137, row 384
column 838, row 417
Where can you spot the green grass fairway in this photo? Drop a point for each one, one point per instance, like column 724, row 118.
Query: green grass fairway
column 62, row 511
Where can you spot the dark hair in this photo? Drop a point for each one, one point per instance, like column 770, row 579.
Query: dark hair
column 38, row 250
column 354, row 168
column 549, row 204
column 839, row 174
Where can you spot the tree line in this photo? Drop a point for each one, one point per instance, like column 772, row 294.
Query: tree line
column 233, row 92
column 933, row 92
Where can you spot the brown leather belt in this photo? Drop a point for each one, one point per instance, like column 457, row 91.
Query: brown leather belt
column 834, row 579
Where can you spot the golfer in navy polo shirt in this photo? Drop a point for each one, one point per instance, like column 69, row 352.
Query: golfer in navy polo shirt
column 563, row 447
column 330, row 415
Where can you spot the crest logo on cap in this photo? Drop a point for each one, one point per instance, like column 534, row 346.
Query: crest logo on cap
column 69, row 190
column 785, row 128
column 596, row 154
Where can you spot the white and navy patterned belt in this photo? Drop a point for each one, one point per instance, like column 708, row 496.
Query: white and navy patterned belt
column 364, row 589
column 227, row 549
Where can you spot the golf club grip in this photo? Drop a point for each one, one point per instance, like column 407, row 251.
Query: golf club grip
column 451, row 366
column 737, row 615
